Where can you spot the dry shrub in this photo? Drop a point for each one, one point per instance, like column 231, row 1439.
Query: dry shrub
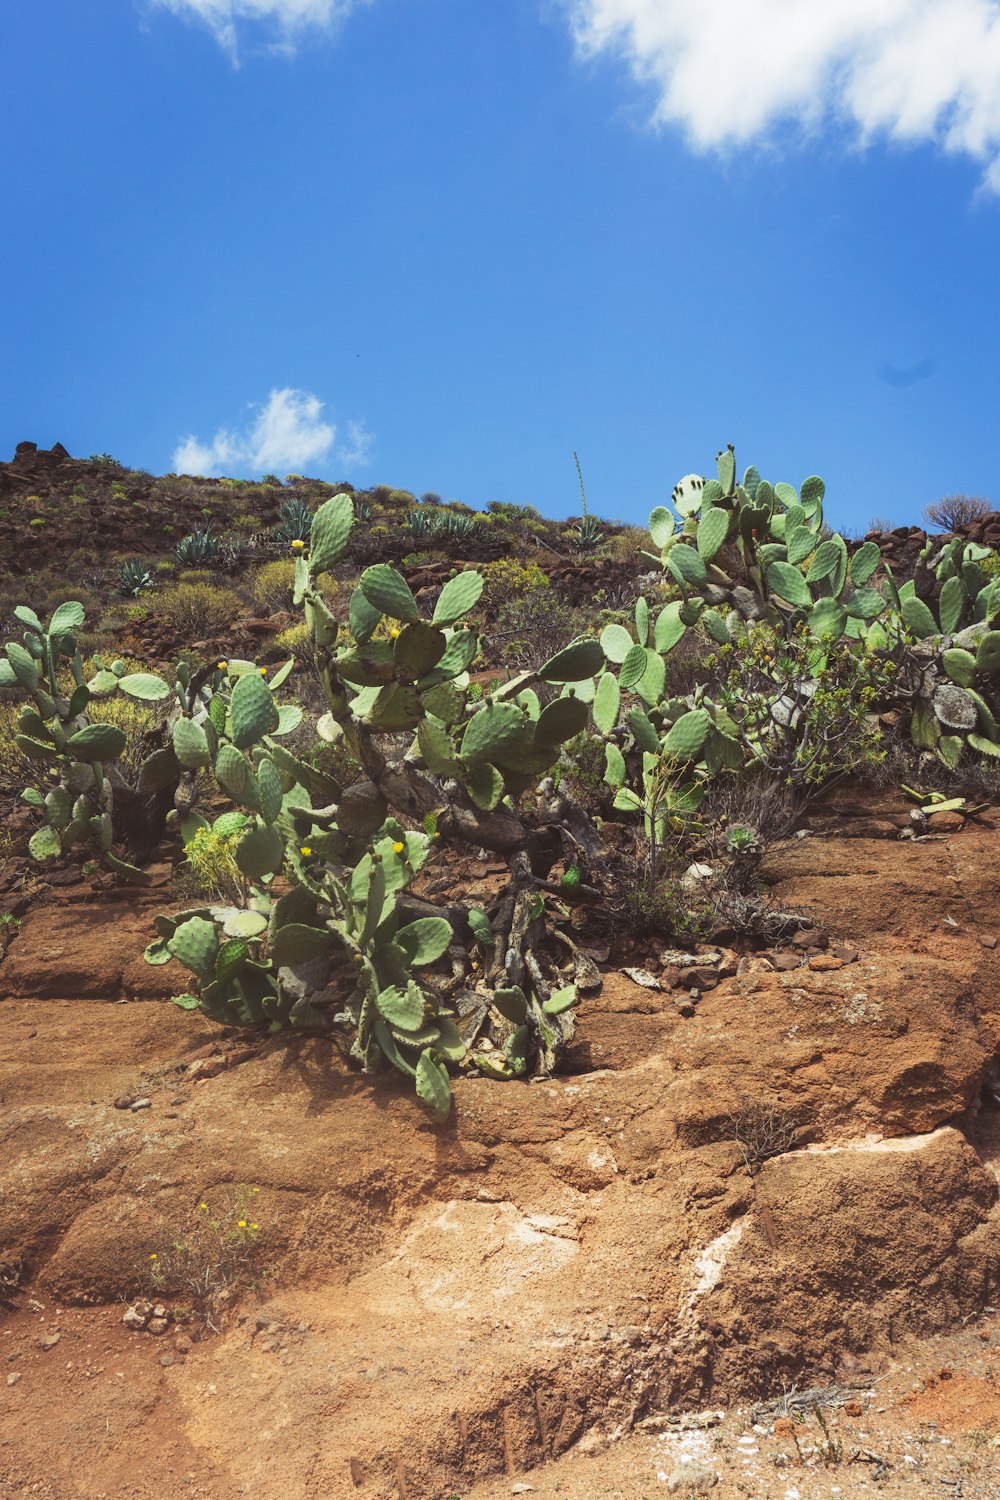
column 193, row 610
column 272, row 585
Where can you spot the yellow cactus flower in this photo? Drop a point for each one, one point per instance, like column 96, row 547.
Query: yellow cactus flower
column 263, row 671
column 298, row 546
column 394, row 631
column 222, row 666
column 398, row 848
column 305, row 851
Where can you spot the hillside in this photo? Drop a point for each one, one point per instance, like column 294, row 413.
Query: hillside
column 586, row 1022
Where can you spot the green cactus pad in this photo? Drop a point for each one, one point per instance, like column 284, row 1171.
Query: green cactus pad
column 788, row 584
column 616, row 643
column 687, row 567
column 727, row 470
column 424, row 941
column 951, row 605
column 824, row 563
column 446, row 702
column 574, row 663
column 402, row 1007
column 827, row 618
column 800, row 543
column 97, row 742
column 235, row 775
column 485, row 785
column 614, row 773
column 370, row 665
column 433, row 1087
column 191, row 744
column 296, row 942
column 662, row 526
column 607, row 703
column 713, row 528
column 865, row 604
column 493, row 728
column 512, row 1004
column 988, row 653
column 418, row 649
column 560, row 1000
column 330, row 534
column 58, row 807
column 253, row 711
column 364, row 617
column 984, row 746
column 230, row 959
column 688, row 735
column 45, row 843
column 385, row 590
column 458, row 656
column 395, row 707
column 459, row 595
column 960, row 666
column 195, row 943
column 23, row 665
column 244, row 924
column 269, row 790
column 917, row 618
column 560, row 720
column 436, row 747
column 145, row 687
column 864, row 562
column 260, row 852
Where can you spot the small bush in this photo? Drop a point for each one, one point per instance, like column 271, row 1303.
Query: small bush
column 193, row 610
column 508, row 580
column 272, row 585
column 955, row 511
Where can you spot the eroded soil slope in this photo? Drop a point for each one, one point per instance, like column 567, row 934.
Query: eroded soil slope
column 563, row 1259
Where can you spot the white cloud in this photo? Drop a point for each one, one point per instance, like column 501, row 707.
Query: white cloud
column 284, row 20
column 730, row 71
column 286, row 434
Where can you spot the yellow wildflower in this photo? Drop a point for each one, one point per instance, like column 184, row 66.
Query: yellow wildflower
column 255, row 1190
column 153, row 1256
column 394, row 631
column 241, row 1223
column 254, row 1226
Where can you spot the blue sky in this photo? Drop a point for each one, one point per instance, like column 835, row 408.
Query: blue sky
column 441, row 244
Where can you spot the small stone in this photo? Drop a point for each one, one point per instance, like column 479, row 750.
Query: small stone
column 49, row 1341
column 944, row 1374
column 642, row 977
column 810, row 937
column 179, row 1099
column 849, row 955
column 159, row 1311
column 699, row 979
column 786, row 961
column 987, row 940
column 825, row 963
column 183, row 1344
column 157, row 1325
column 124, row 1101
column 853, row 1408
column 141, row 1104
column 166, row 1360
column 138, row 1315
column 684, row 1007
column 14, row 1378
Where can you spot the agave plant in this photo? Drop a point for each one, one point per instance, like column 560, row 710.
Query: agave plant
column 295, row 521
column 198, row 548
column 133, row 577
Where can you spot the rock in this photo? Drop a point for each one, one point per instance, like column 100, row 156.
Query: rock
column 13, row 1379
column 810, row 937
column 141, row 1104
column 166, row 1360
column 987, row 939
column 642, row 977
column 945, row 822
column 684, row 1007
column 138, row 1315
column 785, row 961
column 124, row 1101
column 157, row 1325
column 49, row 1341
column 692, row 1479
column 699, row 979
column 696, row 878
column 849, row 955
column 183, row 1344
column 824, row 963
